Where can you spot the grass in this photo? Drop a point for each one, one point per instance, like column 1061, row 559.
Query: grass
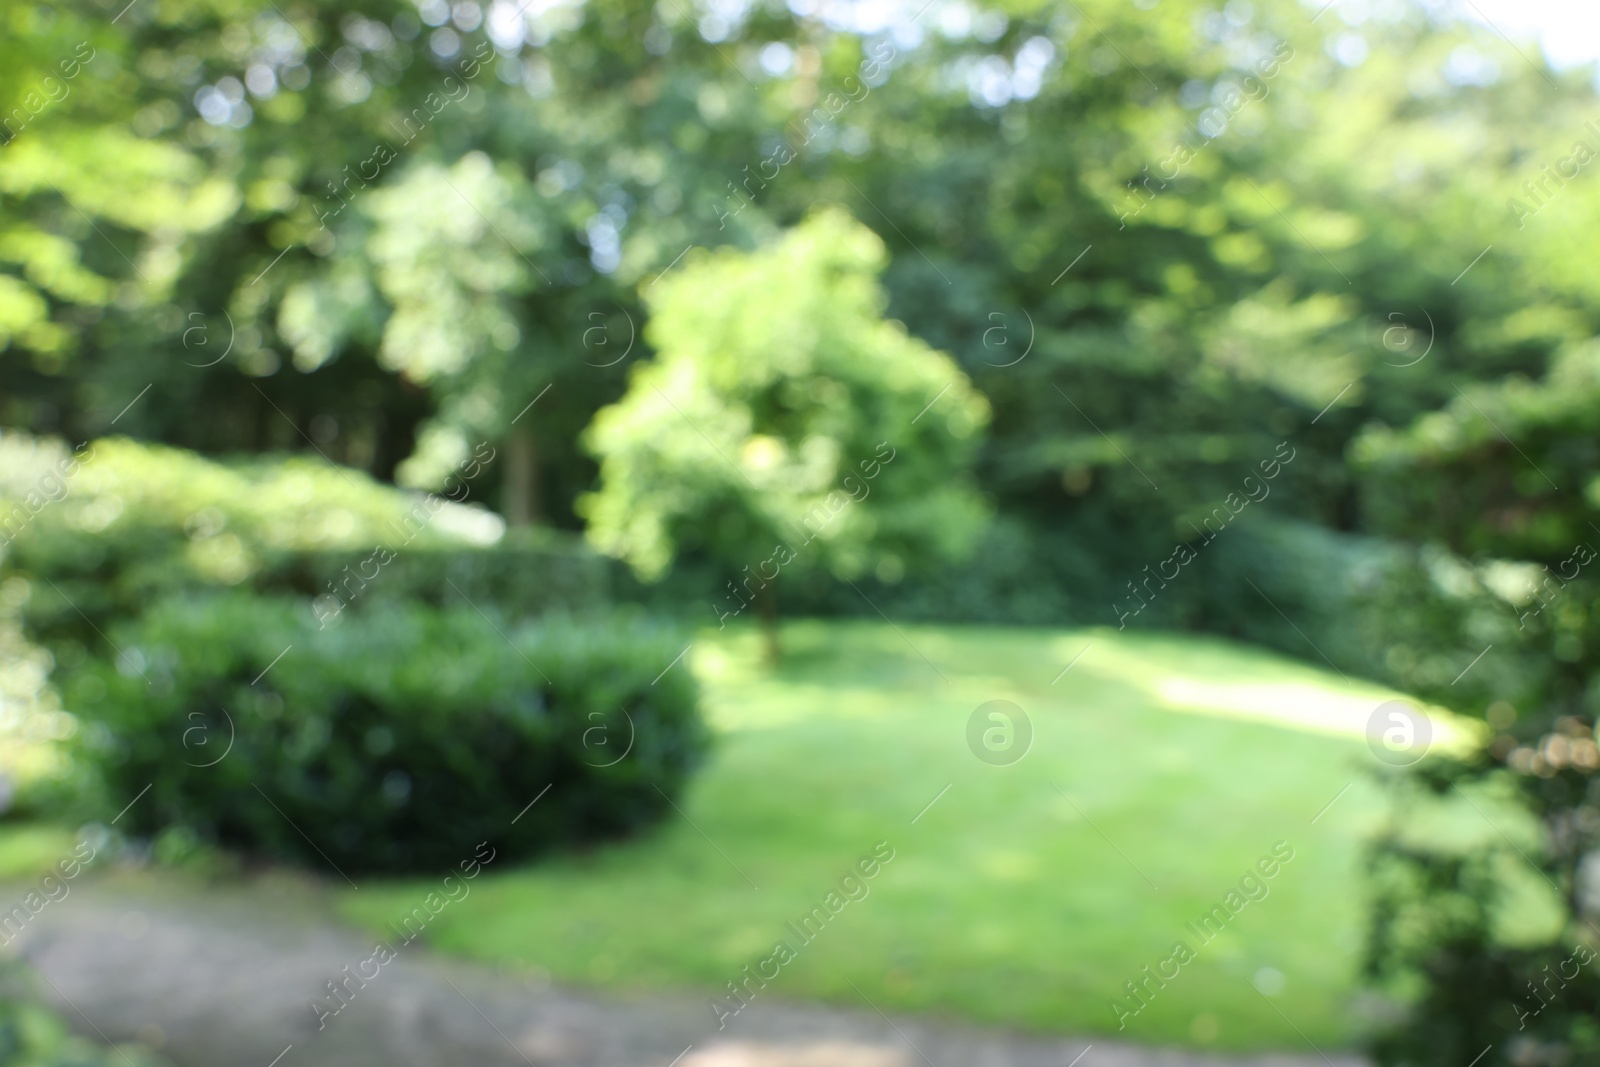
column 29, row 850
column 1161, row 769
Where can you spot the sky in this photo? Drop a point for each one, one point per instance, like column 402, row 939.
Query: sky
column 1568, row 30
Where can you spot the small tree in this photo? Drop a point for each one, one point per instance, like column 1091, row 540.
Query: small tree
column 785, row 425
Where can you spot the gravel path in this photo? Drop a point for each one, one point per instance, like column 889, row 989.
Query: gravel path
column 225, row 979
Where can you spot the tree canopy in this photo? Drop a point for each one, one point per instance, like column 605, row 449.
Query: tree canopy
column 782, row 412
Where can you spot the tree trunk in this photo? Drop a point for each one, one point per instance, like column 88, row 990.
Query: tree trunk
column 767, row 610
column 521, row 497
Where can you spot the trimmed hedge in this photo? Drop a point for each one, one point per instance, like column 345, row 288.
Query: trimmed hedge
column 526, row 574
column 102, row 532
column 395, row 739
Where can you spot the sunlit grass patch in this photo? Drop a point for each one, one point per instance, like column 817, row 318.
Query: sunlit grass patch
column 1161, row 768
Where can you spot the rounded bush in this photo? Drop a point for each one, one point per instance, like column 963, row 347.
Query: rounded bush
column 395, row 740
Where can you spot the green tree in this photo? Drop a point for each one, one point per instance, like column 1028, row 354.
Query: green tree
column 786, row 425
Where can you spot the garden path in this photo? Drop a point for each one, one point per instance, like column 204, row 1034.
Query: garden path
column 225, row 978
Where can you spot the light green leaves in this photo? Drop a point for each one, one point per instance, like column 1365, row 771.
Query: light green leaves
column 783, row 409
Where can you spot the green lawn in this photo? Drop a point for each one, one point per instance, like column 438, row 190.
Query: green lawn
column 28, row 850
column 1162, row 768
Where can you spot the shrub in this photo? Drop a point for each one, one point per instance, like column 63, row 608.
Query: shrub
column 395, row 739
column 526, row 574
column 1078, row 571
column 101, row 532
column 1475, row 634
column 89, row 538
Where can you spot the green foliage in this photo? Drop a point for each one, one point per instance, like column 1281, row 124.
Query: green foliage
column 395, row 740
column 1021, row 574
column 1501, row 482
column 96, row 215
column 34, row 766
column 99, row 533
column 434, row 282
column 528, row 573
column 783, row 410
column 1438, row 941
column 88, row 539
column 290, row 263
column 33, row 1036
column 1507, row 469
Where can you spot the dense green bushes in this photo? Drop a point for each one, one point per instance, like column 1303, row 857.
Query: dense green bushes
column 525, row 574
column 100, row 533
column 394, row 739
column 1077, row 572
column 90, row 538
column 1510, row 643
